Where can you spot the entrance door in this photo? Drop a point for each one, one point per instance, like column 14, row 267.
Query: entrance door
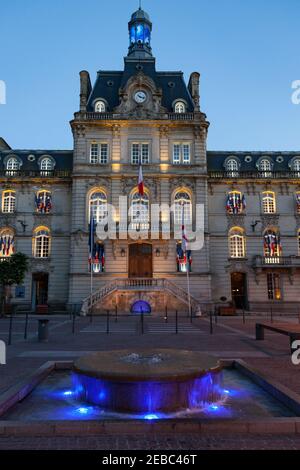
column 140, row 260
column 239, row 289
column 39, row 294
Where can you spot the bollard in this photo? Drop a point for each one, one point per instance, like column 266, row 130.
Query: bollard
column 10, row 329
column 216, row 316
column 73, row 322
column 142, row 323
column 271, row 313
column 243, row 315
column 211, row 322
column 176, row 322
column 107, row 322
column 91, row 315
column 116, row 314
column 43, row 332
column 26, row 325
column 166, row 315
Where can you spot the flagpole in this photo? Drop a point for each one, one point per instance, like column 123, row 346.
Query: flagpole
column 186, row 263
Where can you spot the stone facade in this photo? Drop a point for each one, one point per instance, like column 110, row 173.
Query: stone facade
column 135, row 106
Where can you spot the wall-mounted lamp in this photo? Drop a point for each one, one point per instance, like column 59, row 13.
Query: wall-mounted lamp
column 254, row 223
column 157, row 252
column 123, row 252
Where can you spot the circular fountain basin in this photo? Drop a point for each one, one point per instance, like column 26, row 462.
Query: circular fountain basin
column 148, row 381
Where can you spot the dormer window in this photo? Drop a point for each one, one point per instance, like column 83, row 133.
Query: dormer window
column 232, row 167
column 100, row 106
column 46, row 164
column 12, row 165
column 265, row 166
column 180, row 107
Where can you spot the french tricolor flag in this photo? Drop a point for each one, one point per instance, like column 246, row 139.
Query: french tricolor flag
column 141, row 181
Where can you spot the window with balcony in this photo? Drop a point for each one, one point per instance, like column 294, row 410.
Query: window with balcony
column 237, row 243
column 99, row 153
column 274, row 286
column 180, row 107
column 140, row 153
column 8, row 202
column 181, row 153
column 182, row 202
column 236, row 202
column 41, row 242
column 98, row 206
column 7, row 242
column 268, row 202
column 272, row 246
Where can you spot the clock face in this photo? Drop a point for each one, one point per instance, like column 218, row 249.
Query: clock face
column 140, row 96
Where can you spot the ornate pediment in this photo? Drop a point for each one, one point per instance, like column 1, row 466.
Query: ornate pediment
column 150, row 107
column 268, row 220
column 235, row 220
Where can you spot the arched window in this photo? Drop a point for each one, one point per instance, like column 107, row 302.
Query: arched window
column 179, row 107
column 237, row 243
column 140, row 216
column 265, row 167
column 12, row 165
column 98, row 206
column 46, row 165
column 236, row 202
column 269, row 202
column 7, row 242
column 8, row 201
column 296, row 167
column 100, row 107
column 41, row 243
column 272, row 244
column 182, row 201
column 232, row 167
column 43, row 202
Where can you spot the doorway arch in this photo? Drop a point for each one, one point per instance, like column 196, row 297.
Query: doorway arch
column 140, row 306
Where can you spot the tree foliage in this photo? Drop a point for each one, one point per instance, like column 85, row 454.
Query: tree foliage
column 13, row 269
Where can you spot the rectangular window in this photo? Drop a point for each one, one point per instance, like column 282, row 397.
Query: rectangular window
column 181, row 154
column 274, row 289
column 140, row 152
column 99, row 153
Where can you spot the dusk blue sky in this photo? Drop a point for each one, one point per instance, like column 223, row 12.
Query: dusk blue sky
column 247, row 52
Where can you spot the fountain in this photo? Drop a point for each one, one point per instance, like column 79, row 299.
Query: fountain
column 148, row 381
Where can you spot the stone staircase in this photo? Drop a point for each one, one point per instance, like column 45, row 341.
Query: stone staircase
column 142, row 285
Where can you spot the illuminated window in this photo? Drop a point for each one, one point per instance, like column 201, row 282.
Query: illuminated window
column 41, row 243
column 236, row 243
column 179, row 107
column 236, row 202
column 43, row 202
column 269, row 203
column 100, row 107
column 272, row 245
column 8, row 202
column 274, row 288
column 182, row 202
column 12, row 166
column 98, row 206
column 181, row 153
column 7, row 242
column 140, row 216
column 232, row 167
column 99, row 153
column 140, row 152
column 265, row 167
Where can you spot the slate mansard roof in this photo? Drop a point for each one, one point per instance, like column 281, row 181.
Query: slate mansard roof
column 30, row 158
column 108, row 84
column 248, row 160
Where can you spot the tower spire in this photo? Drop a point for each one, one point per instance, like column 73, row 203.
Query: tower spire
column 140, row 28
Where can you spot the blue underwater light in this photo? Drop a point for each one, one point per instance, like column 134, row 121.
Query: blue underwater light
column 68, row 393
column 150, row 416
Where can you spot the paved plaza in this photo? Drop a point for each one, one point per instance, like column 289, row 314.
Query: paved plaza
column 229, row 338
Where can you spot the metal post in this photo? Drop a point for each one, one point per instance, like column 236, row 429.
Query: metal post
column 216, row 316
column 116, row 314
column 73, row 322
column 211, row 322
column 244, row 315
column 10, row 328
column 191, row 318
column 142, row 323
column 26, row 326
column 107, row 322
column 166, row 315
column 176, row 322
column 271, row 312
column 91, row 315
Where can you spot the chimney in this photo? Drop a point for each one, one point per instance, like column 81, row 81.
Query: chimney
column 193, row 86
column 85, row 89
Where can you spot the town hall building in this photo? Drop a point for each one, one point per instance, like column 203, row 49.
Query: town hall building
column 142, row 117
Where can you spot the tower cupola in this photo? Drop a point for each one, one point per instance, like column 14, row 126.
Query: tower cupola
column 140, row 28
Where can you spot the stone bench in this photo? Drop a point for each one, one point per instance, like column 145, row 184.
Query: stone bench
column 288, row 329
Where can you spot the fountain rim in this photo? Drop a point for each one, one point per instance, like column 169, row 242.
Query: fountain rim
column 168, row 371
